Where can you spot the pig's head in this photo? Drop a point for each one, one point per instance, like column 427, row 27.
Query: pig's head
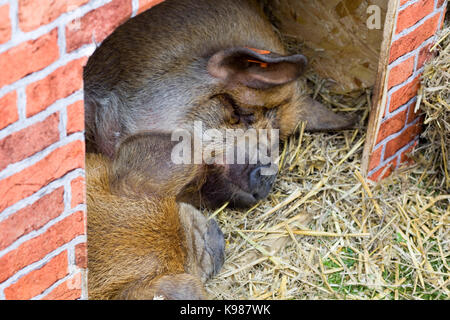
column 253, row 103
column 256, row 94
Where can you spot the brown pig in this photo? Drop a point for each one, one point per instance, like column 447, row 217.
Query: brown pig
column 142, row 243
column 218, row 62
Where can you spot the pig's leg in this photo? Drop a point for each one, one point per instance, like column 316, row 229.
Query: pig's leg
column 205, row 243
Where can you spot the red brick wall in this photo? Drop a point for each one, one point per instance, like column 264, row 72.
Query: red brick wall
column 414, row 35
column 44, row 45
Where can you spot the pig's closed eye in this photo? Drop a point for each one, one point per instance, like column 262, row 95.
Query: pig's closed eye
column 248, row 118
column 236, row 115
column 235, row 118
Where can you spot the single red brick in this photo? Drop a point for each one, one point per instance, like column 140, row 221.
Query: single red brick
column 384, row 172
column 5, row 24
column 28, row 57
column 32, row 139
column 78, row 187
column 57, row 85
column 35, row 13
column 97, row 24
column 81, row 255
column 392, row 125
column 32, row 217
column 401, row 72
column 414, row 39
column 31, row 179
column 75, row 117
column 8, row 109
column 37, row 281
column 402, row 140
column 36, row 248
column 147, row 4
column 404, row 94
column 413, row 13
column 424, row 56
column 440, row 3
column 375, row 158
column 68, row 290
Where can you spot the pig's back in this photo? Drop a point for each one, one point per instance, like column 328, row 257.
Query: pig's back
column 155, row 64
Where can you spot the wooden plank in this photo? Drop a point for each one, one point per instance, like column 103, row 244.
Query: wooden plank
column 379, row 98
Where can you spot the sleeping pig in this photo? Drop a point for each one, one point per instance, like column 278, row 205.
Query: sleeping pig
column 217, row 62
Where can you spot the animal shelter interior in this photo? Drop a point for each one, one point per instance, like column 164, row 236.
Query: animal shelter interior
column 360, row 213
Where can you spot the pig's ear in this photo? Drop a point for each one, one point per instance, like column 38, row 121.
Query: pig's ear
column 320, row 118
column 257, row 69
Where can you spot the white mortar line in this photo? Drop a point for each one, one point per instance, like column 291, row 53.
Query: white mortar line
column 62, row 40
column 444, row 5
column 14, row 19
column 135, row 7
column 407, row 4
column 67, row 194
column 84, row 283
column 62, row 127
column 383, row 150
column 71, row 266
column 21, row 105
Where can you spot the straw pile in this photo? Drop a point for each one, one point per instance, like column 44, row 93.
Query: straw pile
column 435, row 94
column 327, row 233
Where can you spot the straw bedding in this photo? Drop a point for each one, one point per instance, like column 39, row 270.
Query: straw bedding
column 435, row 98
column 327, row 233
